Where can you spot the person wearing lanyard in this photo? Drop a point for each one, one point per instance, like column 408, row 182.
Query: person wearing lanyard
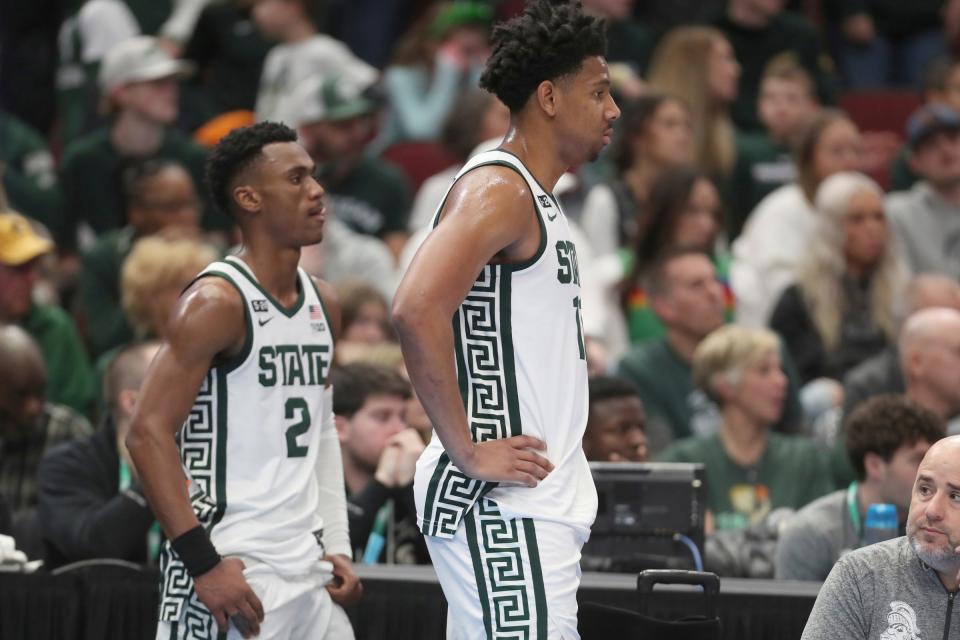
column 886, row 438
column 90, row 503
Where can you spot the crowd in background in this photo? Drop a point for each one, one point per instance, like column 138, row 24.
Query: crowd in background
column 771, row 283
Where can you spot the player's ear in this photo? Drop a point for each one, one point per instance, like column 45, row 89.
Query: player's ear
column 341, row 423
column 247, row 198
column 546, row 96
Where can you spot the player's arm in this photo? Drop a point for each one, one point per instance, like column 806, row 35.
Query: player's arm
column 345, row 589
column 489, row 213
column 207, row 321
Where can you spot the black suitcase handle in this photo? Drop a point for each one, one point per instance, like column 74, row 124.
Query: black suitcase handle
column 710, row 583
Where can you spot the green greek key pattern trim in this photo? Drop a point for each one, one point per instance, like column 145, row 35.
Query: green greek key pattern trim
column 487, row 381
column 506, row 564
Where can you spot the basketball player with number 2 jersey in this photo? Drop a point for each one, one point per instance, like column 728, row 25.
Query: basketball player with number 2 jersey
column 504, row 493
column 233, row 433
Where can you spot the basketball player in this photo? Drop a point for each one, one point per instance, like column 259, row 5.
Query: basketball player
column 504, row 493
column 258, row 525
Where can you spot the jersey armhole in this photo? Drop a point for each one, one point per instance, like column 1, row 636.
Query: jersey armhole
column 532, row 260
column 230, row 363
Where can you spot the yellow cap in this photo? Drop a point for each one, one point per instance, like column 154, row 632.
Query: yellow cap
column 19, row 243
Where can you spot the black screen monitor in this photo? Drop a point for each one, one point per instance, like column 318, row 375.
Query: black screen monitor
column 642, row 507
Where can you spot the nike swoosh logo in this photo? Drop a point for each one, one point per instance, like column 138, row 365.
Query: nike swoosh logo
column 551, row 218
column 263, row 322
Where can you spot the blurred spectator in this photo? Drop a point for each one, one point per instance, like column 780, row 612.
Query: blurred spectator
column 302, row 53
column 759, row 30
column 926, row 218
column 696, row 64
column 654, row 135
column 630, row 43
column 6, row 519
column 153, row 276
column 615, row 422
column 684, row 213
column 930, row 358
column 686, row 296
column 345, row 254
column 158, row 194
column 69, row 376
column 91, row 504
column 477, row 117
column 379, row 459
column 850, row 283
column 229, row 52
column 881, row 373
column 882, row 43
column 750, row 470
column 787, row 102
column 364, row 314
column 28, row 60
column 29, row 426
column 138, row 80
column 334, row 119
column 941, row 85
column 886, row 438
column 85, row 37
column 436, row 61
column 904, row 587
column 780, row 229
column 27, row 172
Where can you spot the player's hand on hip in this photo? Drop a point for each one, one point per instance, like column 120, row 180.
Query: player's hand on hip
column 345, row 588
column 508, row 460
column 225, row 592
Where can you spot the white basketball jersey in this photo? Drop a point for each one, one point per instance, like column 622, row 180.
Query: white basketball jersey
column 522, row 369
column 249, row 446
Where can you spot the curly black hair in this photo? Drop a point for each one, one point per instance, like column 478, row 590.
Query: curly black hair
column 235, row 152
column 548, row 41
column 883, row 424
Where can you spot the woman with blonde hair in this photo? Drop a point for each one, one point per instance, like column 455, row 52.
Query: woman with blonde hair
column 750, row 469
column 777, row 233
column 697, row 65
column 844, row 306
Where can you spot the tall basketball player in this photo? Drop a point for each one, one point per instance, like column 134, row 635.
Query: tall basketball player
column 233, row 433
column 504, row 492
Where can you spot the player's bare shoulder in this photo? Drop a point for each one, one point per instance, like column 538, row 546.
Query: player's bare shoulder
column 209, row 316
column 489, row 190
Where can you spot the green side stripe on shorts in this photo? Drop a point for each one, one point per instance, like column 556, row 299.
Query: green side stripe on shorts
column 539, row 594
column 429, row 527
column 469, row 522
column 173, row 630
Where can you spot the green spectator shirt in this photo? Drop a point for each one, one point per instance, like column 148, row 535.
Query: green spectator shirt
column 788, row 474
column 29, row 177
column 69, row 375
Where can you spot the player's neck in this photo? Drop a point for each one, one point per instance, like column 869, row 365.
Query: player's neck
column 276, row 270
column 537, row 154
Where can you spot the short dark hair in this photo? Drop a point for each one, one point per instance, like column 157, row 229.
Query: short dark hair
column 883, row 424
column 136, row 173
column 655, row 279
column 235, row 152
column 547, row 41
column 609, row 387
column 354, row 383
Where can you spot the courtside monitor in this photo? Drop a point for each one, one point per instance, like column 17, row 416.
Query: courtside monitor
column 645, row 510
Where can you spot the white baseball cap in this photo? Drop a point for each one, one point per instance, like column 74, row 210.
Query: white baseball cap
column 139, row 59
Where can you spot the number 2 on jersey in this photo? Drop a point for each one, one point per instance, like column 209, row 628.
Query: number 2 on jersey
column 291, row 409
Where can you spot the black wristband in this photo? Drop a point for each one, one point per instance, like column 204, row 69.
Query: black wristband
column 196, row 551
